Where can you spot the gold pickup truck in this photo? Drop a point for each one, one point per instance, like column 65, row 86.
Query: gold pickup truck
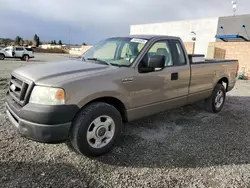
column 85, row 101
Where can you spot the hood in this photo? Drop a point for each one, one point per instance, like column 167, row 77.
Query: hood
column 50, row 73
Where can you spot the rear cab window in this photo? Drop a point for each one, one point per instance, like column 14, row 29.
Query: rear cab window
column 178, row 53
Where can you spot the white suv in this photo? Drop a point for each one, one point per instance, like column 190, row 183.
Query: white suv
column 16, row 52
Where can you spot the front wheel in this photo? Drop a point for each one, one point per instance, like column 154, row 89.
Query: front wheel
column 216, row 101
column 25, row 57
column 95, row 129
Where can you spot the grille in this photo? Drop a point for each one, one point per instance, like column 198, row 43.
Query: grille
column 18, row 90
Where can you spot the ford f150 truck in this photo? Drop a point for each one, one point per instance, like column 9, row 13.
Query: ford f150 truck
column 19, row 52
column 86, row 101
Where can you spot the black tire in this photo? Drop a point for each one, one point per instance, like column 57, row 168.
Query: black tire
column 24, row 57
column 210, row 103
column 82, row 122
column 2, row 56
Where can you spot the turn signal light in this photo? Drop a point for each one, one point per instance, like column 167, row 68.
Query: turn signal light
column 60, row 95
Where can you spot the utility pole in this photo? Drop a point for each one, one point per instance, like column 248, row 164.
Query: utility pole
column 193, row 39
column 69, row 41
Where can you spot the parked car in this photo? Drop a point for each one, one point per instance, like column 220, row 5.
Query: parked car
column 121, row 79
column 16, row 52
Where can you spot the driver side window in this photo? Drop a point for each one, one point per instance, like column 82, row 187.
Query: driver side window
column 159, row 48
column 162, row 48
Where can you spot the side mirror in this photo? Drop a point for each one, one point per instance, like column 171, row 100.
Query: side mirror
column 156, row 62
column 150, row 64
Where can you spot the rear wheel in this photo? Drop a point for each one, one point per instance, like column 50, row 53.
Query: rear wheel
column 2, row 57
column 216, row 101
column 95, row 129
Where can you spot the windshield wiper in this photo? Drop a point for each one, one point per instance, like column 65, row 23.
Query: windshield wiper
column 104, row 62
column 117, row 65
column 99, row 60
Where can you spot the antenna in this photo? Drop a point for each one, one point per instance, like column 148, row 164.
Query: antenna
column 69, row 40
column 234, row 6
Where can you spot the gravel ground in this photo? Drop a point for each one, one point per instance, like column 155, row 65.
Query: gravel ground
column 7, row 65
column 184, row 147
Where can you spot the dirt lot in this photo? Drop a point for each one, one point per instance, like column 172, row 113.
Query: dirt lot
column 8, row 65
column 185, row 147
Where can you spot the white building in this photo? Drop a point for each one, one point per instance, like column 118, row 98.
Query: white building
column 50, row 46
column 234, row 28
column 204, row 30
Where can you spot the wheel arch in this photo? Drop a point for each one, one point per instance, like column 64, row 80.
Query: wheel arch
column 223, row 81
column 113, row 101
column 25, row 55
column 2, row 54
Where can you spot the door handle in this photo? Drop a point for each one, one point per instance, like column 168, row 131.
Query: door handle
column 125, row 80
column 174, row 76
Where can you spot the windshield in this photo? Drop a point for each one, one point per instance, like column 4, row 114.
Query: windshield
column 116, row 51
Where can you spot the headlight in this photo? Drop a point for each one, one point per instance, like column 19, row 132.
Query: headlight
column 47, row 96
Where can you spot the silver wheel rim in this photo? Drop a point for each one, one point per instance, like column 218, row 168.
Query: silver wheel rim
column 100, row 132
column 219, row 99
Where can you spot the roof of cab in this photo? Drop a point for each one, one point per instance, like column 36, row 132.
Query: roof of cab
column 149, row 37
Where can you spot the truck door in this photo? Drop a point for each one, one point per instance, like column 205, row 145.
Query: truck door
column 19, row 52
column 8, row 52
column 166, row 88
column 149, row 88
column 179, row 73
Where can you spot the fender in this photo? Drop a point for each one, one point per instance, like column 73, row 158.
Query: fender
column 81, row 96
column 103, row 94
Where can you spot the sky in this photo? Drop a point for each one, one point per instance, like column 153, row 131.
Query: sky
column 90, row 21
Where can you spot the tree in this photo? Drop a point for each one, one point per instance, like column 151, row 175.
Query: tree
column 35, row 37
column 21, row 42
column 18, row 40
column 6, row 42
column 60, row 42
column 54, row 42
column 36, row 40
column 84, row 44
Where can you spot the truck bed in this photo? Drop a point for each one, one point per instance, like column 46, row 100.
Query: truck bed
column 205, row 73
column 200, row 59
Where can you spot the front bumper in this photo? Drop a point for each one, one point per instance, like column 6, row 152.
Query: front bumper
column 42, row 123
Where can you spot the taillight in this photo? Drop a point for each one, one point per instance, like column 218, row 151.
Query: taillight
column 237, row 70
